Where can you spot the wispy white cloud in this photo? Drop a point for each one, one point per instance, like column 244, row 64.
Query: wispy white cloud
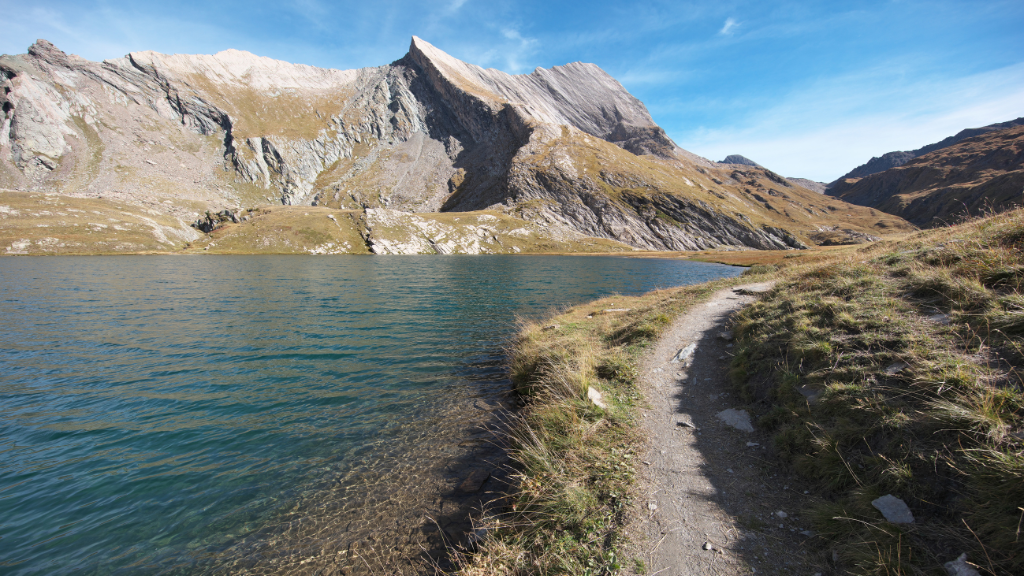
column 827, row 129
column 454, row 5
column 510, row 54
column 729, row 27
column 313, row 11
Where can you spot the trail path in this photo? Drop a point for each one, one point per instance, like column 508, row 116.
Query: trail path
column 713, row 485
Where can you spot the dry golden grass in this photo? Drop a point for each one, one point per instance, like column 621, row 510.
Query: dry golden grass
column 37, row 224
column 915, row 349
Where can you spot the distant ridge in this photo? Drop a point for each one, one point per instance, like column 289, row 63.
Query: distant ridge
column 813, row 185
column 737, row 159
column 899, row 158
column 980, row 174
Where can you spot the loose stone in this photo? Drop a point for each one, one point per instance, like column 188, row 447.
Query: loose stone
column 960, row 567
column 738, row 419
column 896, row 368
column 596, row 398
column 894, row 509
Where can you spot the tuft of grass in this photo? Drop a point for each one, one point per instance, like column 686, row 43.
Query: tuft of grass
column 913, row 352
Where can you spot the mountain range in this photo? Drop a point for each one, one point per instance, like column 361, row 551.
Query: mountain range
column 236, row 152
column 976, row 172
column 899, row 158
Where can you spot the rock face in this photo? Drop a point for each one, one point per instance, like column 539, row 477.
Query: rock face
column 895, row 159
column 980, row 174
column 567, row 148
column 812, row 185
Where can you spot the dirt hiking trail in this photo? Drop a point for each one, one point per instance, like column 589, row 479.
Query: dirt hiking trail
column 717, row 500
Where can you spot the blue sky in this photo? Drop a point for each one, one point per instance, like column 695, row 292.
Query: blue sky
column 808, row 89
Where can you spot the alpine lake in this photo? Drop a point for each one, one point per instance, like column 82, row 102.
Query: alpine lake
column 266, row 414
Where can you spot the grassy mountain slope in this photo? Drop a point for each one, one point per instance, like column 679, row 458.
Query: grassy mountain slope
column 51, row 224
column 677, row 202
column 977, row 175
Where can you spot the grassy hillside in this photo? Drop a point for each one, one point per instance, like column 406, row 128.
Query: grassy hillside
column 891, row 368
column 896, row 369
column 576, row 462
column 50, row 224
column 321, row 230
column 980, row 175
column 680, row 194
column 36, row 223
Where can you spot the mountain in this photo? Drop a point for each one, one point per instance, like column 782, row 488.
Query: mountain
column 980, row 174
column 894, row 159
column 566, row 150
column 818, row 187
column 741, row 160
column 737, row 159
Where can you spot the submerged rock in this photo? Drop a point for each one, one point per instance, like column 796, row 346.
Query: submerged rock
column 474, row 481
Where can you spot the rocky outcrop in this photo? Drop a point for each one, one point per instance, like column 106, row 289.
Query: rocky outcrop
column 811, row 185
column 741, row 160
column 568, row 147
column 978, row 175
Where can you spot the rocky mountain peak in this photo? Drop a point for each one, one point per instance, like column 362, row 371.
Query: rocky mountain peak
column 46, row 51
column 566, row 147
column 238, row 67
column 580, row 95
column 738, row 159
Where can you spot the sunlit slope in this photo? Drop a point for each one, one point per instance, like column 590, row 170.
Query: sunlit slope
column 35, row 223
column 321, row 230
column 679, row 202
column 980, row 174
column 567, row 148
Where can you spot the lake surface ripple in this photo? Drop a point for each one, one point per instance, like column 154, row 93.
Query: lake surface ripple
column 263, row 415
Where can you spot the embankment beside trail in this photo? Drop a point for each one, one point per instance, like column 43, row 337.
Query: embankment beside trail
column 576, row 442
column 887, row 369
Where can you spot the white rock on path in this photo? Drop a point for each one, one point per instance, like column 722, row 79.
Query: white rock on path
column 685, row 353
column 738, row 419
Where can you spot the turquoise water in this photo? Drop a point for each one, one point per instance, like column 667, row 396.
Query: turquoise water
column 261, row 414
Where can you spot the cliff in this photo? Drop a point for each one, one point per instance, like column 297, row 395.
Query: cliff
column 567, row 148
